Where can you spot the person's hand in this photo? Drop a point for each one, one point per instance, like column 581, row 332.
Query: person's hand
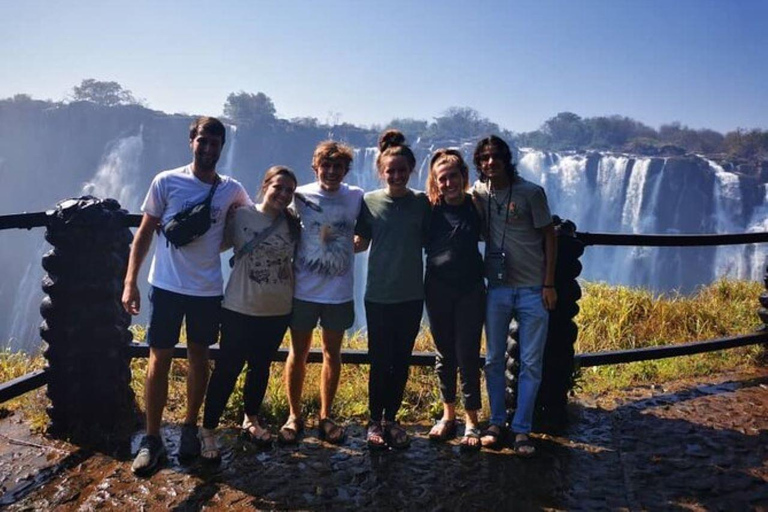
column 131, row 299
column 361, row 244
column 549, row 296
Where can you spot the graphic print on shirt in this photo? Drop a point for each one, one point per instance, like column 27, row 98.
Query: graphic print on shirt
column 268, row 262
column 326, row 238
column 215, row 210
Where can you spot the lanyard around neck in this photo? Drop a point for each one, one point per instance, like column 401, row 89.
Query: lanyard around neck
column 506, row 217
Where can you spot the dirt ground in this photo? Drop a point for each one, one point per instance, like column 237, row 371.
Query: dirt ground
column 686, row 445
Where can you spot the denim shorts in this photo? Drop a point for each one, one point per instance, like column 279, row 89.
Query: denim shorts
column 334, row 317
column 168, row 310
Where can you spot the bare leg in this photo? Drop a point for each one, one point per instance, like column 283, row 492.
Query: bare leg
column 295, row 369
column 449, row 411
column 197, row 380
column 156, row 387
column 470, row 418
column 329, row 377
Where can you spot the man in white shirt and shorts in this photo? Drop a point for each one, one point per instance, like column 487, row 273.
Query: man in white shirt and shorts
column 186, row 284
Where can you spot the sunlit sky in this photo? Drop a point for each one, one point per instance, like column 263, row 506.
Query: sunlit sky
column 699, row 62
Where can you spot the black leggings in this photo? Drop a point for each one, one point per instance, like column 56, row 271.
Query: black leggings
column 456, row 321
column 392, row 330
column 254, row 339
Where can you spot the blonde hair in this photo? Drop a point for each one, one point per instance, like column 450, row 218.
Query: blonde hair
column 440, row 157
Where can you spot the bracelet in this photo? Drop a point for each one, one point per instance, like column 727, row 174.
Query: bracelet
column 548, row 286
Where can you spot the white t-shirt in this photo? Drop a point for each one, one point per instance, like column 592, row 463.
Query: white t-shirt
column 195, row 268
column 324, row 266
column 261, row 283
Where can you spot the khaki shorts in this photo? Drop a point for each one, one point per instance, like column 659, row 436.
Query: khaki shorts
column 334, row 317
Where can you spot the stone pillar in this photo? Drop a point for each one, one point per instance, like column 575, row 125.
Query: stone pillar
column 85, row 326
column 558, row 372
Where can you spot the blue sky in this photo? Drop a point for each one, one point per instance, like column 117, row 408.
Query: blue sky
column 700, row 62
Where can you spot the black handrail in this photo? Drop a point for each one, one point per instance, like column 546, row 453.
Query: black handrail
column 671, row 240
column 38, row 378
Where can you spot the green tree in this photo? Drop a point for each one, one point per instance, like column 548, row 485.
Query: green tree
column 567, row 131
column 458, row 123
column 106, row 94
column 248, row 109
column 411, row 128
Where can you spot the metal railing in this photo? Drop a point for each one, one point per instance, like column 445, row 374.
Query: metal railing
column 36, row 379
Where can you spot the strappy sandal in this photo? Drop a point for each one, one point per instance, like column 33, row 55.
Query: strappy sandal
column 470, row 433
column 443, row 430
column 209, row 452
column 396, row 436
column 330, row 431
column 496, row 433
column 250, row 434
column 524, row 446
column 289, row 433
column 374, row 437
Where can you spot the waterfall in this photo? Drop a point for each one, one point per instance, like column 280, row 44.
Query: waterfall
column 630, row 214
column 115, row 178
column 226, row 165
column 758, row 259
column 730, row 261
column 116, row 174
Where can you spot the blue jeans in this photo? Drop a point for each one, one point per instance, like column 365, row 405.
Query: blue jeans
column 527, row 307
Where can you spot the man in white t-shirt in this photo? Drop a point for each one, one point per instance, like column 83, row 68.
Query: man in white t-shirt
column 186, row 284
column 324, row 267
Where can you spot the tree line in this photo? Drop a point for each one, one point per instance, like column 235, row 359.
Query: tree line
column 564, row 132
column 568, row 131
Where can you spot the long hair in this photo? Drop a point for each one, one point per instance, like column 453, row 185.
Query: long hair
column 440, row 157
column 498, row 143
column 294, row 225
column 392, row 143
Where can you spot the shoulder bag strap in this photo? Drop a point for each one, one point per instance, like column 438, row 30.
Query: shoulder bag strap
column 256, row 240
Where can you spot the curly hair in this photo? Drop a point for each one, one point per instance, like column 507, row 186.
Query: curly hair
column 333, row 151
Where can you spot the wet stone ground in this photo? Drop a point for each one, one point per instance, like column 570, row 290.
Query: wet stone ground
column 681, row 446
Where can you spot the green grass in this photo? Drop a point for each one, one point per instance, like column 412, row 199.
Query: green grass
column 621, row 318
column 611, row 318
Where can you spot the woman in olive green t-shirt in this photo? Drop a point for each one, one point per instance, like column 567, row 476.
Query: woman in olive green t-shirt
column 394, row 221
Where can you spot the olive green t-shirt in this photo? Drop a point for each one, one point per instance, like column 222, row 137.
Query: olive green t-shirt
column 397, row 228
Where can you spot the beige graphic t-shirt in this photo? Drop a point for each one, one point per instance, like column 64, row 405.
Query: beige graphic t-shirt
column 261, row 283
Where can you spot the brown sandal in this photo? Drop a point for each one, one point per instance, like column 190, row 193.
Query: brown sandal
column 396, row 436
column 289, row 433
column 330, row 431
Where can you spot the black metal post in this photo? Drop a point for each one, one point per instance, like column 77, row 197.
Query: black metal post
column 84, row 325
column 558, row 373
